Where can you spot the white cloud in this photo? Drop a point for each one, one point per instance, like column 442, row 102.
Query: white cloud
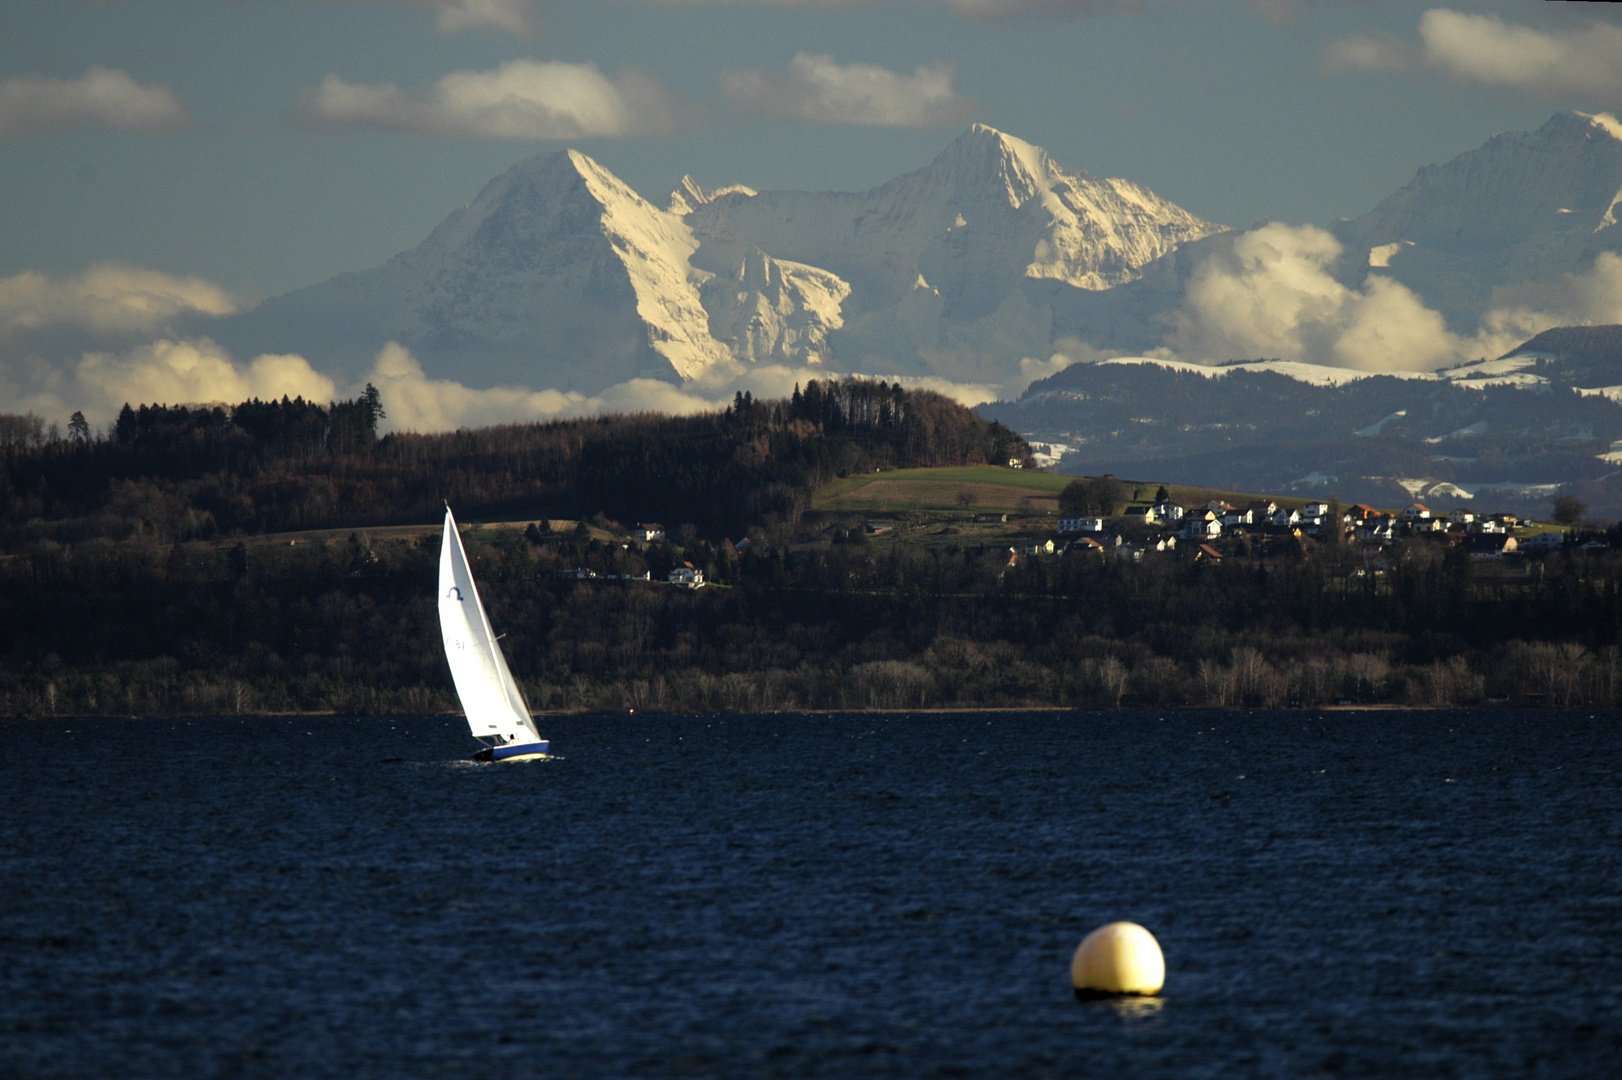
column 1518, row 312
column 108, row 298
column 521, row 99
column 454, row 15
column 175, row 371
column 1269, row 293
column 1486, row 49
column 100, row 96
column 415, row 402
column 818, row 89
column 509, row 15
column 168, row 371
column 1066, row 352
column 1370, row 52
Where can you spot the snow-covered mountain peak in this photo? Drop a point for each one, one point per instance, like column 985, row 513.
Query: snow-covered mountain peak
column 1586, row 124
column 533, row 198
column 983, row 159
column 689, row 195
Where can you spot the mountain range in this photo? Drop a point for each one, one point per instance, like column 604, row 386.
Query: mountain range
column 987, row 260
column 994, row 265
column 559, row 275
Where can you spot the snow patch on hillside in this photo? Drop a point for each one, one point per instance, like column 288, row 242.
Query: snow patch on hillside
column 1316, row 374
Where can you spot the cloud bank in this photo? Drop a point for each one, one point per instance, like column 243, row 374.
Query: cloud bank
column 100, row 96
column 108, row 298
column 818, row 89
column 1271, row 293
column 1485, row 49
column 521, row 99
column 165, row 370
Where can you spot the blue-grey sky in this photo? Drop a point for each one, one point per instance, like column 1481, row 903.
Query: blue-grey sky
column 262, row 145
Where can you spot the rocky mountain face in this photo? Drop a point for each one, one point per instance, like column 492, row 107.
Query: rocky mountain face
column 560, row 276
column 940, row 261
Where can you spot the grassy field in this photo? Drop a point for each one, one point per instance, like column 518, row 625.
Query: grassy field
column 481, row 530
column 991, row 489
column 968, row 488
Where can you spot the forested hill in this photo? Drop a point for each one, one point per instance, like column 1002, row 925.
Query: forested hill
column 173, row 473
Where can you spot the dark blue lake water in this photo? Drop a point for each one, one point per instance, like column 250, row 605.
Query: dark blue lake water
column 1354, row 894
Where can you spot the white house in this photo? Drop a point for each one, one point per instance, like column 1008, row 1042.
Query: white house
column 1037, row 547
column 1415, row 512
column 1080, row 525
column 1283, row 515
column 649, row 531
column 1201, row 526
column 687, row 576
column 1461, row 516
column 1315, row 510
column 1169, row 511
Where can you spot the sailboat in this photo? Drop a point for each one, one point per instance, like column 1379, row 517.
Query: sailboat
column 495, row 709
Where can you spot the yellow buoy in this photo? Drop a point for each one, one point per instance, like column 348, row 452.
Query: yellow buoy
column 1121, row 958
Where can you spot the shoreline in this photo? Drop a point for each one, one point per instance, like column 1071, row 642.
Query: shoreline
column 975, row 710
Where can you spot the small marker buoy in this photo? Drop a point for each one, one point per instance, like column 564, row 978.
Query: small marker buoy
column 1120, row 958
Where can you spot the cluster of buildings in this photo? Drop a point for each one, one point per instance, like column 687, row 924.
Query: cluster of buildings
column 1484, row 536
column 683, row 574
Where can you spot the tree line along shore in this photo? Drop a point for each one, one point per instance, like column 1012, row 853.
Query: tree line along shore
column 138, row 578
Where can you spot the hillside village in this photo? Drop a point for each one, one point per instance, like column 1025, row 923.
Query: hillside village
column 1217, row 529
column 1264, row 527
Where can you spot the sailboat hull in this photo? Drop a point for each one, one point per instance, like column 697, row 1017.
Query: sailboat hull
column 515, row 752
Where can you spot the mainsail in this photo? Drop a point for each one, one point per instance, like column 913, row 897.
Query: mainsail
column 490, row 698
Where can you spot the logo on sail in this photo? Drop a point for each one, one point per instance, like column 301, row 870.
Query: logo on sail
column 453, row 593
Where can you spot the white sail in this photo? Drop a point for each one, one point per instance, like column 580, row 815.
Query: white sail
column 490, row 698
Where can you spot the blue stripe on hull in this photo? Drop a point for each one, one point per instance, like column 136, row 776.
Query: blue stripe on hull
column 501, row 753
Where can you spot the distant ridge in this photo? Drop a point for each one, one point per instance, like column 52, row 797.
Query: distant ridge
column 1580, row 343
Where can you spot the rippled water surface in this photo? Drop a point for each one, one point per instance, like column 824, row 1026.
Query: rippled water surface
column 1355, row 894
